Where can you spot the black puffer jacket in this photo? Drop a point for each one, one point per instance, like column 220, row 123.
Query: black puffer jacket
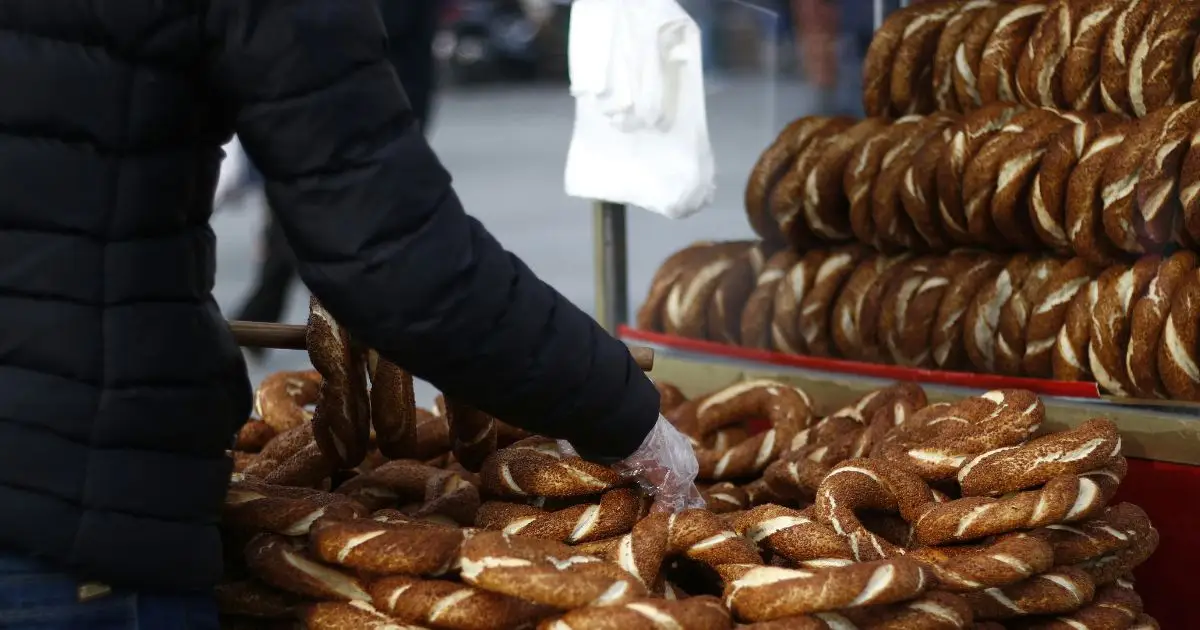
column 120, row 385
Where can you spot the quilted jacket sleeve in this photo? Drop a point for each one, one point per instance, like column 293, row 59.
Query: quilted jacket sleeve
column 383, row 241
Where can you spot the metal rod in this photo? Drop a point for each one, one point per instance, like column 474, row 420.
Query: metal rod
column 612, row 265
column 293, row 337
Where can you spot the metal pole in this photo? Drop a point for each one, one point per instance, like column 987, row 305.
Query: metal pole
column 612, row 264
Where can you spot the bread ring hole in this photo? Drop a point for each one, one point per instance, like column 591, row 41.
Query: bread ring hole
column 888, row 526
column 692, row 577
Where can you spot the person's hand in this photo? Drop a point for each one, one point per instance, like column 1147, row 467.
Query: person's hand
column 665, row 465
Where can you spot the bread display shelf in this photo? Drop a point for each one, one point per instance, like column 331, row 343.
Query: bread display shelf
column 1156, row 430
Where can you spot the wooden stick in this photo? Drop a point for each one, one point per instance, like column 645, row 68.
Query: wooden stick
column 291, row 337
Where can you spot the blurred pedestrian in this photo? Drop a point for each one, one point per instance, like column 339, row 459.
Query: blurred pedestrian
column 411, row 26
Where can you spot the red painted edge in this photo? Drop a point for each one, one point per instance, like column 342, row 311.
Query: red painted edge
column 841, row 366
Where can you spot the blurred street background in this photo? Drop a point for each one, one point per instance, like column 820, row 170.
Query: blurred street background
column 502, row 122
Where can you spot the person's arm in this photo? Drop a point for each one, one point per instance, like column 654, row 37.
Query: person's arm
column 382, row 240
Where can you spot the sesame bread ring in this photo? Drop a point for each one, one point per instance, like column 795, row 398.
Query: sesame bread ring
column 772, row 165
column 685, row 312
column 669, row 396
column 999, row 62
column 766, row 593
column 1048, row 194
column 1063, row 590
column 972, row 568
column 786, row 408
column 1084, row 206
column 1109, row 568
column 292, row 459
column 914, row 295
column 613, row 515
column 1118, row 54
column 1160, row 59
column 544, row 572
column 969, row 55
column 937, row 447
column 1115, row 607
column 1147, row 323
column 417, row 489
column 792, row 534
column 856, row 304
column 919, row 323
column 1091, row 22
column 934, row 610
column 952, row 34
column 970, row 134
column 342, row 419
column 253, row 436
column 919, row 194
column 1111, row 325
column 912, row 89
column 813, row 323
column 725, row 498
column 1064, row 499
column 694, row 613
column 1118, row 527
column 537, row 468
column 825, row 204
column 789, row 295
column 982, row 318
column 1039, row 69
column 946, row 337
column 893, row 304
column 1158, row 193
column 1086, row 447
column 1069, row 361
column 986, row 173
column 1189, row 187
column 1145, row 622
column 260, row 507
column 1010, row 208
column 1049, row 313
column 356, row 615
column 282, row 398
column 787, row 200
column 695, row 534
column 283, row 564
column 862, row 171
column 474, row 433
column 1136, row 224
column 653, row 310
column 881, row 59
column 867, row 484
column 1014, row 316
column 451, row 605
column 252, row 598
column 896, row 231
column 386, row 548
column 1177, row 350
column 725, row 309
column 760, row 305
column 393, row 407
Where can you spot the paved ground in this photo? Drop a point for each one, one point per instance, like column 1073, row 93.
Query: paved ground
column 506, row 147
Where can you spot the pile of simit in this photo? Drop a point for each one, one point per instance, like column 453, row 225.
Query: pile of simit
column 1132, row 328
column 892, row 513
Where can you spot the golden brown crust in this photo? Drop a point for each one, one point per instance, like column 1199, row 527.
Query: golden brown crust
column 787, row 199
column 920, row 191
column 1039, row 71
column 1161, row 58
column 650, row 315
column 1014, row 317
column 791, row 292
column 851, row 310
column 1085, row 227
column 895, row 229
column 686, row 308
column 862, row 171
column 724, row 318
column 982, row 318
column 817, row 306
column 1147, row 323
column 1177, row 350
column 1047, row 196
column 1111, row 324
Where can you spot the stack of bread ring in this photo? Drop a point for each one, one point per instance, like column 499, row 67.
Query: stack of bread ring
column 1129, row 326
column 890, row 513
column 1125, row 57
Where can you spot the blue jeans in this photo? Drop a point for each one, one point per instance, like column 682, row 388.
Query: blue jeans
column 35, row 596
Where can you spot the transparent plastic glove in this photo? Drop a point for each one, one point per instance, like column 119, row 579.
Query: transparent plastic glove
column 664, row 465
